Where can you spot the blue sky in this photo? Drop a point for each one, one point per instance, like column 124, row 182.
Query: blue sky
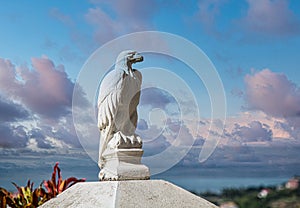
column 254, row 46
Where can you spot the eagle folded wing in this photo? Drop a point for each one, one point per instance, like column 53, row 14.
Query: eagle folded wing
column 109, row 98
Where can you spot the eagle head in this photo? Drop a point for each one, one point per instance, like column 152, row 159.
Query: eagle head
column 126, row 59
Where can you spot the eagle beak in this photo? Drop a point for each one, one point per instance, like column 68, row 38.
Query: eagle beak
column 137, row 58
column 140, row 59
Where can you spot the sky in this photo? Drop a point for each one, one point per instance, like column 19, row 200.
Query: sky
column 253, row 45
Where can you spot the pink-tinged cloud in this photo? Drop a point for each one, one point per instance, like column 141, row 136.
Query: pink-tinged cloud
column 105, row 27
column 45, row 89
column 208, row 11
column 57, row 14
column 124, row 17
column 270, row 17
column 7, row 75
column 35, row 105
column 272, row 93
column 79, row 38
column 253, row 132
column 135, row 11
column 209, row 14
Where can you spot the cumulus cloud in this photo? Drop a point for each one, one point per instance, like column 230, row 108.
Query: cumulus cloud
column 12, row 136
column 7, row 75
column 45, row 89
column 156, row 146
column 39, row 138
column 142, row 124
column 35, row 106
column 252, row 127
column 265, row 18
column 124, row 17
column 275, row 95
column 156, row 98
column 134, row 15
column 11, row 111
column 158, row 138
column 53, row 146
column 272, row 119
column 270, row 17
column 105, row 27
column 272, row 93
column 254, row 132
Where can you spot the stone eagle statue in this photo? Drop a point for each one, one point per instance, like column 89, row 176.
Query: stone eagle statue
column 119, row 95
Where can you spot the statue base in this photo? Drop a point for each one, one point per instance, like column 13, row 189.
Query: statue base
column 117, row 194
column 123, row 164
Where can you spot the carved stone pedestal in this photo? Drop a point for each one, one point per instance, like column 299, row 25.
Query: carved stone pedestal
column 123, row 164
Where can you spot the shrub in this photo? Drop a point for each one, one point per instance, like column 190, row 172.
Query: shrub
column 55, row 187
column 24, row 197
column 29, row 198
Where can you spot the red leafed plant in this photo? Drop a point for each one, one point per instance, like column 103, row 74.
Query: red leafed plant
column 24, row 197
column 29, row 198
column 55, row 187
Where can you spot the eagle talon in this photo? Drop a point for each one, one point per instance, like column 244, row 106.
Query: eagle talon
column 139, row 139
column 132, row 139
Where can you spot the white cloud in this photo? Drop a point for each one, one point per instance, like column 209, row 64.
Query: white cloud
column 35, row 104
column 45, row 89
column 124, row 17
column 272, row 93
column 270, row 17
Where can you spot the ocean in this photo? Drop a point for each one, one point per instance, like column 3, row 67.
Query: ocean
column 200, row 185
column 19, row 168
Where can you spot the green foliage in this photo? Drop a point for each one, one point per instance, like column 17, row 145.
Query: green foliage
column 29, row 198
column 25, row 196
column 247, row 197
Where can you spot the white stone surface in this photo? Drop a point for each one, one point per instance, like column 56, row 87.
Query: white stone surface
column 124, row 164
column 127, row 194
